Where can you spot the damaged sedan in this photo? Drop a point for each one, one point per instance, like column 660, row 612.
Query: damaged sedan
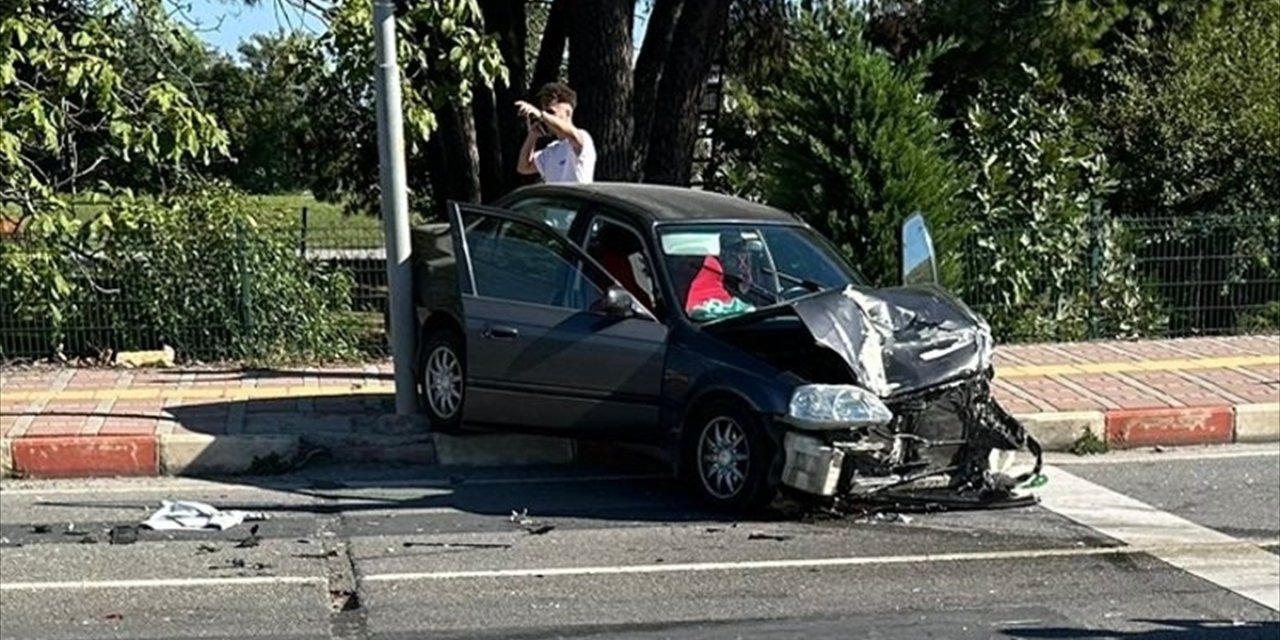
column 730, row 334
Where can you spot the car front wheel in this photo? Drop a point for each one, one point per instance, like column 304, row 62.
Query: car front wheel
column 728, row 458
column 443, row 380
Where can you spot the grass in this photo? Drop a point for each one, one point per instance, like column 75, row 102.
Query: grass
column 327, row 227
column 1089, row 444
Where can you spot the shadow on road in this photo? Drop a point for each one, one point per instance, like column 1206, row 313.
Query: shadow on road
column 1173, row 630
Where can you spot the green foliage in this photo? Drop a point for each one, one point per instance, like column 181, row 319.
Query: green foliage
column 1089, row 444
column 200, row 271
column 1193, row 120
column 1045, row 261
column 64, row 88
column 1196, row 120
column 853, row 146
column 442, row 52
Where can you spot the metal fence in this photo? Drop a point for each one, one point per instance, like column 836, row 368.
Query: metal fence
column 114, row 311
column 1129, row 278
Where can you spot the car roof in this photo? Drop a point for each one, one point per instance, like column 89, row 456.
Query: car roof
column 661, row 203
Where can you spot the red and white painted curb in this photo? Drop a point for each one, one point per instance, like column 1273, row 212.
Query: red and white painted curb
column 198, row 454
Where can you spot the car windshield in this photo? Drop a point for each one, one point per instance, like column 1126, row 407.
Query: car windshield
column 724, row 270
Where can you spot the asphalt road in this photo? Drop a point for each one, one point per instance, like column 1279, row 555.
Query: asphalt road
column 1174, row 545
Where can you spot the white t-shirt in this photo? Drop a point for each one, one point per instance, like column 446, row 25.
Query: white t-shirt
column 558, row 162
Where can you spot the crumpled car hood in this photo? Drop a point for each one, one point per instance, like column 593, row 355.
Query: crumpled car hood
column 895, row 340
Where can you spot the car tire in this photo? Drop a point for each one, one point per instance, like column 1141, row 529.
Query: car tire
column 728, row 458
column 442, row 380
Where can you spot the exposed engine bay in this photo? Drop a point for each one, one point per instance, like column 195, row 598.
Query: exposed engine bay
column 898, row 401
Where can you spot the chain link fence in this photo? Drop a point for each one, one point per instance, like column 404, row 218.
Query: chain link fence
column 106, row 309
column 1115, row 279
column 1129, row 278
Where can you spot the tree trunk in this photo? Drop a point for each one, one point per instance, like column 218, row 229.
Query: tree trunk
column 653, row 57
column 551, row 50
column 491, row 167
column 669, row 159
column 454, row 156
column 600, row 71
column 499, row 132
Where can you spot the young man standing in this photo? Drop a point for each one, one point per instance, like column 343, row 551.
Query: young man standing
column 572, row 156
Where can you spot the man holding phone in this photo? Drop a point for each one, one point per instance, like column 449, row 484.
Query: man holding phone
column 572, row 156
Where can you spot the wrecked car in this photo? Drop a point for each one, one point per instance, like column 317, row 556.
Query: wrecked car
column 729, row 333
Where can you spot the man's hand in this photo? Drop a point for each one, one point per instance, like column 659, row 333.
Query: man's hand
column 528, row 111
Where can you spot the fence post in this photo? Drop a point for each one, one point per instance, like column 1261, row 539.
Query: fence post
column 303, row 240
column 1095, row 267
column 246, row 294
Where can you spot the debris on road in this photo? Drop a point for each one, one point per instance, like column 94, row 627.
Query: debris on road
column 41, row 528
column 114, row 616
column 769, row 536
column 205, row 547
column 460, row 545
column 530, row 525
column 241, row 563
column 251, row 541
column 123, row 534
column 187, row 515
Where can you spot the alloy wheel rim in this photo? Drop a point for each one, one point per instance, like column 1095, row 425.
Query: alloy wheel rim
column 724, row 457
column 444, row 382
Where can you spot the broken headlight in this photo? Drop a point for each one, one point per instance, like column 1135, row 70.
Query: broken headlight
column 836, row 406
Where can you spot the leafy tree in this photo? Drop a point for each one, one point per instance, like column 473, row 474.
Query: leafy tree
column 64, row 88
column 852, row 143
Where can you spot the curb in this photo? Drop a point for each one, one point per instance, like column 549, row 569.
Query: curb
column 1060, row 431
column 396, row 441
column 1258, row 423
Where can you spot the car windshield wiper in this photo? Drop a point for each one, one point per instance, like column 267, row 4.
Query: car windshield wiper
column 804, row 282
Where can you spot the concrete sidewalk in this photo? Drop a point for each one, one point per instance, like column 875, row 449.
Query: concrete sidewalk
column 87, row 422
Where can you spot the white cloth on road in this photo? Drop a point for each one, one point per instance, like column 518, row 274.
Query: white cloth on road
column 183, row 514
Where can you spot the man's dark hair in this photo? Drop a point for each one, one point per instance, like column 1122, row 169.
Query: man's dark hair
column 553, row 92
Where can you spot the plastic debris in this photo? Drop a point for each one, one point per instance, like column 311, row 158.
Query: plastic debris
column 769, row 536
column 185, row 515
column 124, row 534
column 252, row 540
column 532, row 526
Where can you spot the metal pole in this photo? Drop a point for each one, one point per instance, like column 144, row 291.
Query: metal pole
column 395, row 204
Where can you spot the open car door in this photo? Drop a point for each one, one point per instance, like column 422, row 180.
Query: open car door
column 551, row 340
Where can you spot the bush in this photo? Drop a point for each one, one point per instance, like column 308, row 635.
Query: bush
column 853, row 146
column 199, row 271
column 1046, row 262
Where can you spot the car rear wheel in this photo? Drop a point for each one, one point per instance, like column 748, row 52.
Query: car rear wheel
column 729, row 458
column 443, row 380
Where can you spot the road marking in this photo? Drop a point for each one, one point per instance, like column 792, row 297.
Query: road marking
column 165, row 583
column 1221, row 452
column 809, row 563
column 1247, row 571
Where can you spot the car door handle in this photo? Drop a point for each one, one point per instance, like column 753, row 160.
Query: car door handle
column 500, row 332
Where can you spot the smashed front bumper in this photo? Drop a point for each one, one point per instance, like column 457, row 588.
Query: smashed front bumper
column 941, row 439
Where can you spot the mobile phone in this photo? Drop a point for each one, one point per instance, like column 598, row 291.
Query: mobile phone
column 538, row 126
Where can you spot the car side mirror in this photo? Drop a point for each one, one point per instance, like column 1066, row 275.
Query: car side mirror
column 619, row 303
column 919, row 262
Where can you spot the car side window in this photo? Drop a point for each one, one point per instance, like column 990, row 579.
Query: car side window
column 523, row 262
column 557, row 214
column 621, row 252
